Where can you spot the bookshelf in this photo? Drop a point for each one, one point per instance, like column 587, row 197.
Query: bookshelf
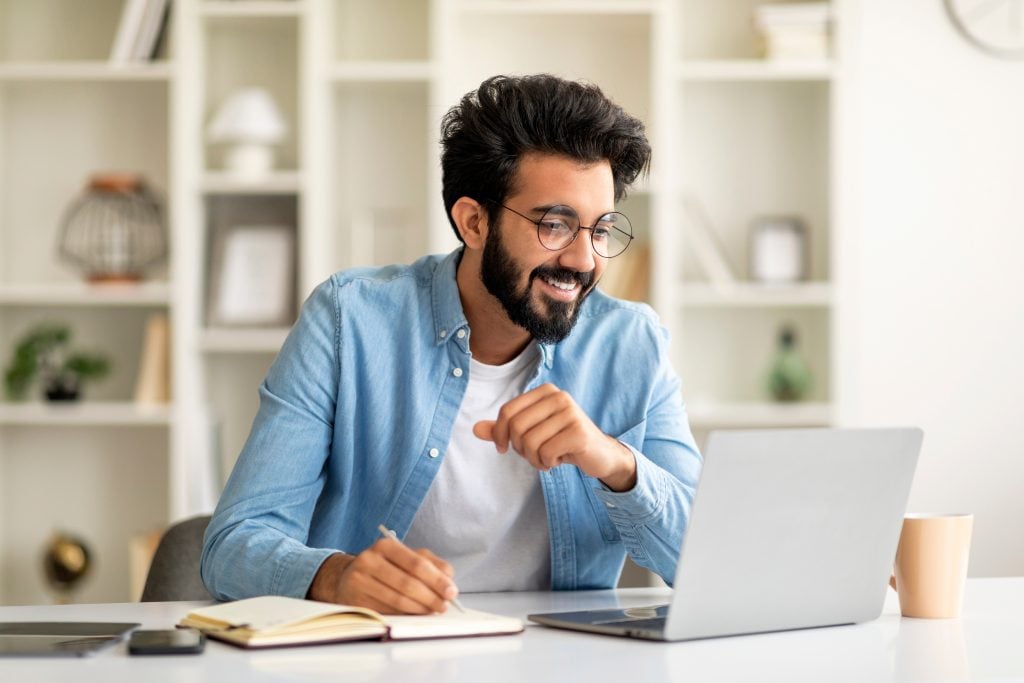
column 362, row 85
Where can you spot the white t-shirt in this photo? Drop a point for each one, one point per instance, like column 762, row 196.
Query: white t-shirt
column 484, row 512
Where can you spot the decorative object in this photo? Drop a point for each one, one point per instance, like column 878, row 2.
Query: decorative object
column 250, row 121
column 788, row 378
column 153, row 382
column 114, row 232
column 994, row 26
column 778, row 250
column 43, row 352
column 66, row 561
column 794, row 31
column 252, row 282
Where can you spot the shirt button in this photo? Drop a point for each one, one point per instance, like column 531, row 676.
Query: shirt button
column 457, row 372
column 434, row 453
column 444, row 333
column 461, row 334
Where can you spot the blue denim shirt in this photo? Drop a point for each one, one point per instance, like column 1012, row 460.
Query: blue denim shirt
column 357, row 410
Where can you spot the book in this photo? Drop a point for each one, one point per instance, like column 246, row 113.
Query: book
column 700, row 237
column 153, row 22
column 132, row 15
column 277, row 621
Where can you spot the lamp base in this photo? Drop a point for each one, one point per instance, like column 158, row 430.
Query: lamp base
column 250, row 160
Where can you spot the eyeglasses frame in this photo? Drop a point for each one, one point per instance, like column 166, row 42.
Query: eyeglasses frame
column 576, row 234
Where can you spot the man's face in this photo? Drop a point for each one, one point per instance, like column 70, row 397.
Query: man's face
column 542, row 291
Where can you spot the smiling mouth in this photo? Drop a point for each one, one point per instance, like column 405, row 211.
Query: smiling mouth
column 560, row 290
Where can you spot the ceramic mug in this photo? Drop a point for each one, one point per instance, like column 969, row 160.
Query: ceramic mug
column 931, row 564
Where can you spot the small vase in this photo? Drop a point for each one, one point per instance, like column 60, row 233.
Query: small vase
column 61, row 390
column 788, row 378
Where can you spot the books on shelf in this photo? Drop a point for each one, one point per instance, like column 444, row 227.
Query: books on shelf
column 794, row 31
column 277, row 621
column 700, row 238
column 140, row 31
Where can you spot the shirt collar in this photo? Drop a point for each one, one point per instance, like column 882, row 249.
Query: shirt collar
column 448, row 314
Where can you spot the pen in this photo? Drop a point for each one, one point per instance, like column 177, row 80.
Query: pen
column 388, row 533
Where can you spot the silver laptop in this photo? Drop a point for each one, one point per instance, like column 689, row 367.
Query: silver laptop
column 790, row 528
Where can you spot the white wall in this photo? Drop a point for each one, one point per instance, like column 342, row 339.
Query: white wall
column 934, row 263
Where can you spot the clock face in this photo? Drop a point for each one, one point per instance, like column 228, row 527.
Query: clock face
column 996, row 26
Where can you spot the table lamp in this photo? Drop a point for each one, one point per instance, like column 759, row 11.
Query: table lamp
column 251, row 123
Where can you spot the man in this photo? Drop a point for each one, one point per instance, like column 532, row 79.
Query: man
column 490, row 405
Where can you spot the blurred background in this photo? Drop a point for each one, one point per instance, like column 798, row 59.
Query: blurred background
column 832, row 229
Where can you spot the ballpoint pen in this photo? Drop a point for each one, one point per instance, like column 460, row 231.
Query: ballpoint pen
column 388, row 533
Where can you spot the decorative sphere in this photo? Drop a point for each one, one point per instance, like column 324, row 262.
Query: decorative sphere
column 66, row 561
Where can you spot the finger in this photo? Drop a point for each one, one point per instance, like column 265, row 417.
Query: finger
column 380, row 594
column 426, row 582
column 445, row 568
column 403, row 590
column 560, row 448
column 513, row 408
column 535, row 442
column 548, row 408
column 484, row 430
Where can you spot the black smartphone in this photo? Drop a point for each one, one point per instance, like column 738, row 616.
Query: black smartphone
column 174, row 641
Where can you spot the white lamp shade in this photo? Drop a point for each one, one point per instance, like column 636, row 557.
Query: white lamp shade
column 248, row 115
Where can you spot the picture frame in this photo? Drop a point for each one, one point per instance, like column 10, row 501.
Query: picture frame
column 252, row 276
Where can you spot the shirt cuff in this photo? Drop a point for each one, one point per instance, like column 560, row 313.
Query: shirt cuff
column 641, row 503
column 296, row 571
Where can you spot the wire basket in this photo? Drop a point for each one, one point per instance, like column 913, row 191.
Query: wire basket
column 114, row 231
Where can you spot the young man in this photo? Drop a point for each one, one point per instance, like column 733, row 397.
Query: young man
column 490, row 405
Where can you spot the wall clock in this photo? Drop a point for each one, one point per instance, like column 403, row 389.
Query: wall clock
column 995, row 26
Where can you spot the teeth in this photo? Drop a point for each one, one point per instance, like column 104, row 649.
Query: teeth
column 565, row 286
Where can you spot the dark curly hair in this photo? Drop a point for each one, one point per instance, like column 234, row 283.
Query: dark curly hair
column 484, row 136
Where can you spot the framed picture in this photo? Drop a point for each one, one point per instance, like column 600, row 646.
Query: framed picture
column 252, row 276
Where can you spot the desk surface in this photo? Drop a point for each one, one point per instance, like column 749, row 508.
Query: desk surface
column 987, row 643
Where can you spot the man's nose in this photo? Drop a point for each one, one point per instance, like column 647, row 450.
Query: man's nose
column 579, row 255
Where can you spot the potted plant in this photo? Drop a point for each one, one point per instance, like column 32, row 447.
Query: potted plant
column 43, row 352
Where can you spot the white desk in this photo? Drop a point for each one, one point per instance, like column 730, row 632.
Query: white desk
column 987, row 643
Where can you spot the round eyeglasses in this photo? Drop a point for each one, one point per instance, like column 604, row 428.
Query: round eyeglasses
column 560, row 226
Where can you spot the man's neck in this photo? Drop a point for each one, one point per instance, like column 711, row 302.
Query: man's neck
column 495, row 339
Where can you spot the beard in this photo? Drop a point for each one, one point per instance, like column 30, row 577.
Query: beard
column 500, row 273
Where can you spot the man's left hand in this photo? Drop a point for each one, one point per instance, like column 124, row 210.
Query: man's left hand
column 547, row 428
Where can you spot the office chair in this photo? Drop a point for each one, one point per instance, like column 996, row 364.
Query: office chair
column 174, row 573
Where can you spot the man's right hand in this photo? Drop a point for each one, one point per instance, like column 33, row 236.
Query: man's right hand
column 388, row 577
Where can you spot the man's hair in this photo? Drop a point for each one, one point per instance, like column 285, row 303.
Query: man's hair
column 484, row 136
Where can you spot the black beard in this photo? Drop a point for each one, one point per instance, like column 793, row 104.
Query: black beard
column 500, row 274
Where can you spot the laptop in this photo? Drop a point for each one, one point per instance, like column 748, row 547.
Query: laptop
column 58, row 639
column 790, row 529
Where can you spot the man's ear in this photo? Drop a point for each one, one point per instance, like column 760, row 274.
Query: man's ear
column 471, row 220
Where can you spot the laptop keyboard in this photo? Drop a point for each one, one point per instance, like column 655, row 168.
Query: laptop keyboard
column 655, row 624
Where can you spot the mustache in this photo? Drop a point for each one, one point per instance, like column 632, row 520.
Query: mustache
column 564, row 275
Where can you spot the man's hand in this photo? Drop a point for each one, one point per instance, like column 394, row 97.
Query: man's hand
column 547, row 428
column 388, row 577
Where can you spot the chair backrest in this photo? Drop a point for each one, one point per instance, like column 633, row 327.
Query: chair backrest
column 174, row 573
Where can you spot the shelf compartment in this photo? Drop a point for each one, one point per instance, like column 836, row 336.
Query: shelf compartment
column 243, row 340
column 44, row 30
column 718, row 30
column 85, row 414
column 754, row 70
column 752, row 295
column 382, row 30
column 758, row 415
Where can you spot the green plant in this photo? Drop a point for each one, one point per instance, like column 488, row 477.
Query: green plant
column 43, row 352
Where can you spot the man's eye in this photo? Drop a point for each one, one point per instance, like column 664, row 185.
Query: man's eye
column 601, row 234
column 555, row 226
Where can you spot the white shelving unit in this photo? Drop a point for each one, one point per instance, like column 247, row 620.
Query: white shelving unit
column 363, row 85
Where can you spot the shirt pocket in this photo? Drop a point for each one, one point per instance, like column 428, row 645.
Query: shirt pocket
column 634, row 436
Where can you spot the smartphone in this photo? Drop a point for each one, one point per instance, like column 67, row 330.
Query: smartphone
column 174, row 641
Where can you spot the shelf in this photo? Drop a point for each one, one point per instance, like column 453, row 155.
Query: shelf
column 749, row 295
column 81, row 294
column 229, row 340
column 754, row 70
column 85, row 414
column 251, row 9
column 279, row 182
column 382, row 71
column 759, row 415
column 557, row 6
column 84, row 71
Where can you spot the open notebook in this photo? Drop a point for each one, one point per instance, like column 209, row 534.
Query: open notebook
column 275, row 621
